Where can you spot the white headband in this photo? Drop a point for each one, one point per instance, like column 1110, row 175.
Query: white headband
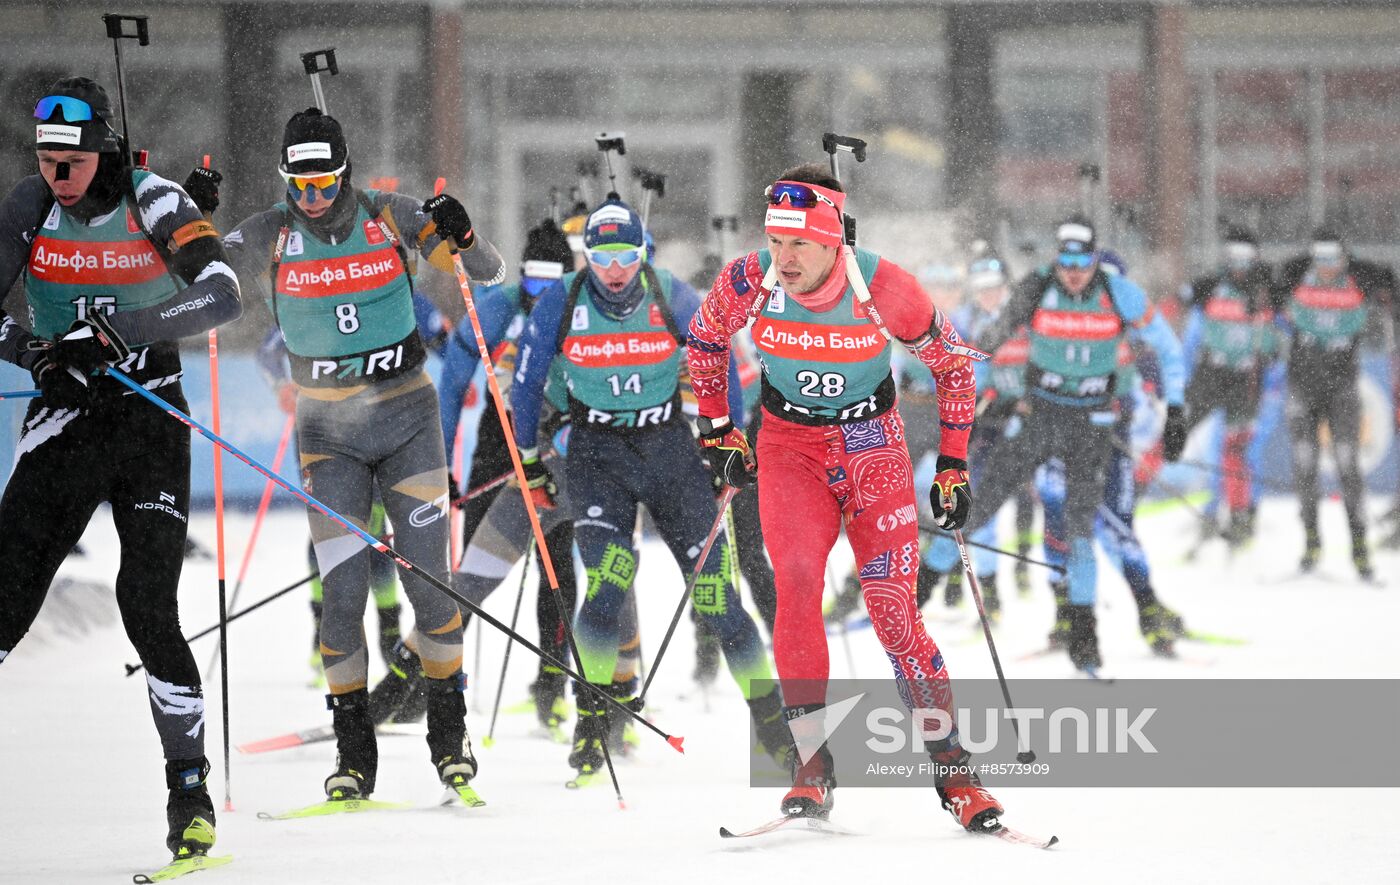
column 544, row 270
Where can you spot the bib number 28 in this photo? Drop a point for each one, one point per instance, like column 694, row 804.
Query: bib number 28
column 826, row 384
column 347, row 319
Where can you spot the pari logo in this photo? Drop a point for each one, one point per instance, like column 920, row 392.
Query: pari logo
column 361, row 365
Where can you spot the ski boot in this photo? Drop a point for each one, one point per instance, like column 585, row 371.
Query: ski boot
column 1312, row 551
column 547, row 691
column 1361, row 558
column 1240, row 531
column 925, row 583
column 1084, row 639
column 1161, row 627
column 449, row 745
column 356, row 752
column 953, row 590
column 813, row 791
column 622, row 735
column 770, row 727
column 1059, row 634
column 991, row 600
column 961, row 791
column 399, row 685
column 590, row 731
column 189, row 812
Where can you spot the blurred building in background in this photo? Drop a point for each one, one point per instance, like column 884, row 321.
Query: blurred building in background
column 981, row 117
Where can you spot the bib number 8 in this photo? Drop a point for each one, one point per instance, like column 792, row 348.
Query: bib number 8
column 347, row 318
column 828, row 384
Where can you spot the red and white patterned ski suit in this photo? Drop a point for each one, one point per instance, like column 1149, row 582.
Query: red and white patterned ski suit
column 812, row 478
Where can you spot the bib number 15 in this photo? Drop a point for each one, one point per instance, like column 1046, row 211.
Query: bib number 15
column 106, row 304
column 826, row 384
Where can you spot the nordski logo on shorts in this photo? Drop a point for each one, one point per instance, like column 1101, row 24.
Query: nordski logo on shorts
column 165, row 504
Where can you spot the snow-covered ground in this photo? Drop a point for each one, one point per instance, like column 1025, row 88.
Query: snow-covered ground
column 82, row 792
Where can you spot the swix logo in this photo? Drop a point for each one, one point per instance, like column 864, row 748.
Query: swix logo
column 166, row 504
column 373, row 235
column 358, row 366
column 888, row 522
column 429, row 513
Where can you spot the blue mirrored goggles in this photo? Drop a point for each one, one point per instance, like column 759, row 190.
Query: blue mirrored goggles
column 75, row 110
column 1076, row 260
column 796, row 195
column 621, row 257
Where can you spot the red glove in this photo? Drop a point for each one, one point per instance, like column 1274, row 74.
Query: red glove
column 951, row 494
column 727, row 450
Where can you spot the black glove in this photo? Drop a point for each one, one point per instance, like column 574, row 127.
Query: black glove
column 539, row 480
column 452, row 221
column 951, row 494
column 727, row 450
column 58, row 389
column 203, row 187
column 90, row 344
column 1174, row 434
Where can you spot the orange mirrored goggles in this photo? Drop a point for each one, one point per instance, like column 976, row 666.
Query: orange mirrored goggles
column 320, row 180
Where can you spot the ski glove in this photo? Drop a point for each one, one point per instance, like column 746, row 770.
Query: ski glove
column 951, row 494
column 90, row 345
column 58, row 389
column 538, row 480
column 1174, row 434
column 202, row 185
column 727, row 450
column 450, row 217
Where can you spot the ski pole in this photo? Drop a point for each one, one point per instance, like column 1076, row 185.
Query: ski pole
column 1230, row 474
column 1027, row 755
column 542, row 545
column 729, row 493
column 505, row 662
column 133, row 668
column 1020, row 557
column 1171, row 489
column 19, row 394
column 257, row 523
column 219, row 548
column 378, row 546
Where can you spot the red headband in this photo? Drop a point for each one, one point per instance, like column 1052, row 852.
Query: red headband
column 820, row 224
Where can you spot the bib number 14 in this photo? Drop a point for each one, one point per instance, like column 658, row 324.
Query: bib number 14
column 826, row 384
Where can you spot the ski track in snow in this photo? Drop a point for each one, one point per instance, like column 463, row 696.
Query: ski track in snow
column 83, row 788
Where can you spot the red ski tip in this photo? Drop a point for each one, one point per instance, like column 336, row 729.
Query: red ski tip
column 677, row 742
column 228, row 807
column 206, row 161
column 439, row 185
column 621, row 806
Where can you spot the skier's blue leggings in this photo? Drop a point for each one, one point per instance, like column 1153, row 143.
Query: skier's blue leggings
column 610, row 473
